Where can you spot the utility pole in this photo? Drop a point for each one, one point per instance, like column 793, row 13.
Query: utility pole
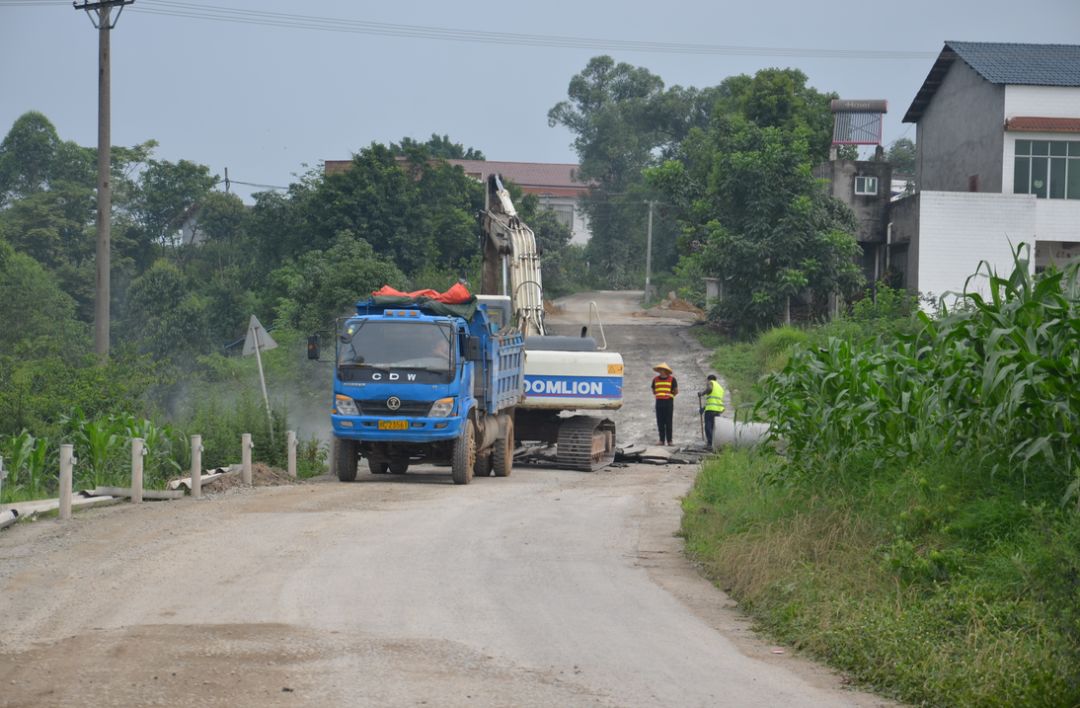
column 648, row 253
column 99, row 14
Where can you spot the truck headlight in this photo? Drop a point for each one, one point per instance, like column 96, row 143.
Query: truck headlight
column 441, row 408
column 345, row 405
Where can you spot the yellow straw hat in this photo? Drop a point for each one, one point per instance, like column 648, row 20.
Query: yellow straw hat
column 662, row 367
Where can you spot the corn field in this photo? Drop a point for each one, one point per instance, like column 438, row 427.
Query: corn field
column 103, row 448
column 996, row 379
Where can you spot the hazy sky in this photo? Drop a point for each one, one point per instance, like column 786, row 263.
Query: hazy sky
column 265, row 96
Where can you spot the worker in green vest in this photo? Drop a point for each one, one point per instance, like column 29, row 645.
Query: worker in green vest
column 714, row 406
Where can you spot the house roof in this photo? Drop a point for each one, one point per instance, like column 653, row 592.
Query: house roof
column 1039, row 124
column 1002, row 63
column 527, row 174
column 555, row 178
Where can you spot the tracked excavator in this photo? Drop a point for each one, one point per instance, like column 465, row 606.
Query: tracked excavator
column 569, row 380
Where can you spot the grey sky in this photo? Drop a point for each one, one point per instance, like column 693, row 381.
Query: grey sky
column 264, row 101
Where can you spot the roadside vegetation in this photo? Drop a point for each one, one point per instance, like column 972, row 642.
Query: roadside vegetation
column 915, row 520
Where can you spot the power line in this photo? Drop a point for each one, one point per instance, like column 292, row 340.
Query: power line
column 190, row 10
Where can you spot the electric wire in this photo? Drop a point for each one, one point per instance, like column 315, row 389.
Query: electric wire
column 198, row 11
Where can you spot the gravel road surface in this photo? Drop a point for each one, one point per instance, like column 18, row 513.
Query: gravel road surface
column 546, row 588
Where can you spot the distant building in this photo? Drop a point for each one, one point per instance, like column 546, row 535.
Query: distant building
column 555, row 184
column 997, row 161
column 867, row 188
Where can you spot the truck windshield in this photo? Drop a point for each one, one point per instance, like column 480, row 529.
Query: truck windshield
column 396, row 345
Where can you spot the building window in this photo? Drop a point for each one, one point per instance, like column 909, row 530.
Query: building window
column 866, row 186
column 1049, row 169
column 564, row 214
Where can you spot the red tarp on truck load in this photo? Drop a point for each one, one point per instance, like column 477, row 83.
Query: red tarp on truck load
column 458, row 294
column 457, row 301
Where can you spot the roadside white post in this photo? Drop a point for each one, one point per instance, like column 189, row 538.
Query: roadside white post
column 290, row 438
column 245, row 459
column 137, row 452
column 67, row 460
column 196, row 465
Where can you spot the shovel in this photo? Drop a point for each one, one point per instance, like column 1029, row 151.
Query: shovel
column 701, row 416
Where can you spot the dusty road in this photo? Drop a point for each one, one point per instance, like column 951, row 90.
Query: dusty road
column 547, row 588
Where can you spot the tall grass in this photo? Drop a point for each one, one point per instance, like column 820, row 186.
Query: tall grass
column 998, row 377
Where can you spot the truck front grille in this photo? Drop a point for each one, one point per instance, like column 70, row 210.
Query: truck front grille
column 408, row 408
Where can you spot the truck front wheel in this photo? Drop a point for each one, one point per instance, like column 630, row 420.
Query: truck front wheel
column 464, row 455
column 345, row 458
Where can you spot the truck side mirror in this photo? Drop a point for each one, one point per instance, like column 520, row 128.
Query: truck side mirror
column 473, row 350
column 313, row 347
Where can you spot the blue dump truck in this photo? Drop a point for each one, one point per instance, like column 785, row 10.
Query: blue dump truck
column 420, row 380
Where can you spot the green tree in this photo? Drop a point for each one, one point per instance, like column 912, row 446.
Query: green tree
column 417, row 212
column 901, row 156
column 321, row 285
column 759, row 219
column 780, row 98
column 624, row 120
column 28, row 156
column 167, row 195
column 165, row 315
column 438, row 147
column 36, row 315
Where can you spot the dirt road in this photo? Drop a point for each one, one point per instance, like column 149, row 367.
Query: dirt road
column 547, row 588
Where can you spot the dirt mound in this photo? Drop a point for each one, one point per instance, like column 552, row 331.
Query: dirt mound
column 670, row 304
column 550, row 308
column 261, row 476
column 684, row 306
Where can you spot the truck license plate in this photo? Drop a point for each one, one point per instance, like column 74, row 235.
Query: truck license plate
column 393, row 425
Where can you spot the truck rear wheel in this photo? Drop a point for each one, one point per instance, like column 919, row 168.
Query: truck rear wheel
column 377, row 467
column 345, row 459
column 399, row 467
column 502, row 457
column 482, row 468
column 464, row 455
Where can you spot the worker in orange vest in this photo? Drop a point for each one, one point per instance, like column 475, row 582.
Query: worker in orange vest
column 664, row 388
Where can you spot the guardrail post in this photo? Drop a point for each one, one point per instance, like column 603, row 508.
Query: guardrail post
column 245, row 458
column 196, row 465
column 67, row 461
column 290, row 438
column 137, row 452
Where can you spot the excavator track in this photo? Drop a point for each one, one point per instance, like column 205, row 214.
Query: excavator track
column 586, row 443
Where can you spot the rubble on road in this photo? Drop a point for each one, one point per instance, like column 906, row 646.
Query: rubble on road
column 661, row 454
column 262, row 475
column 545, row 456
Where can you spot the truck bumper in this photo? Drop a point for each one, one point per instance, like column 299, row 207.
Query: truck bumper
column 419, row 430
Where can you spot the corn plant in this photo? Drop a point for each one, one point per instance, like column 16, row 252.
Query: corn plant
column 26, row 460
column 160, row 442
column 99, row 443
column 997, row 377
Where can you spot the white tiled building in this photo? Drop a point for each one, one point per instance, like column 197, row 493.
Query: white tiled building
column 998, row 162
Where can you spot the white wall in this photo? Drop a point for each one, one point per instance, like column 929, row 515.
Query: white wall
column 1057, row 220
column 957, row 230
column 1042, row 101
column 581, row 232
